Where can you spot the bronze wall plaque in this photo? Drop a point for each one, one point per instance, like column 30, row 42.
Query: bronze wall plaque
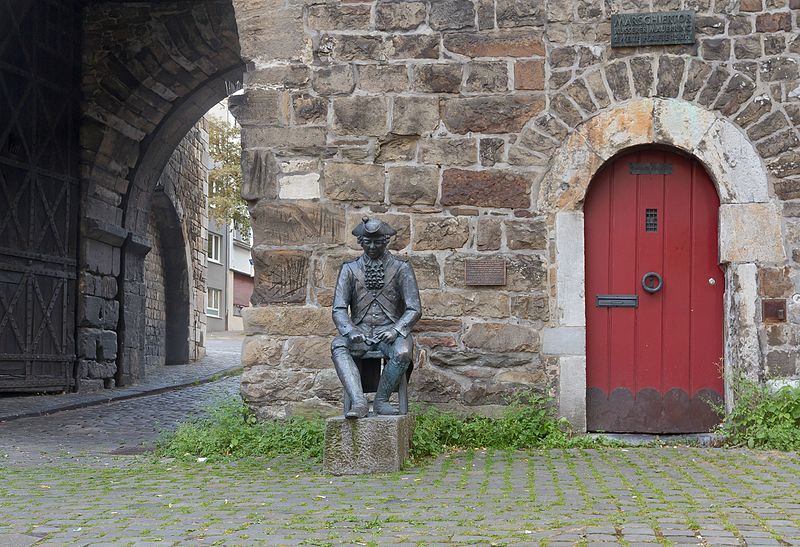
column 485, row 271
column 652, row 29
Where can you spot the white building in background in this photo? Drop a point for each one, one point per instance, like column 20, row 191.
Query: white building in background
column 229, row 280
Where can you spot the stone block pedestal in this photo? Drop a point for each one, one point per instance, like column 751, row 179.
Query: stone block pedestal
column 376, row 444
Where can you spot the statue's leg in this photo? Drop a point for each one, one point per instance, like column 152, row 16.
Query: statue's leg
column 348, row 374
column 399, row 354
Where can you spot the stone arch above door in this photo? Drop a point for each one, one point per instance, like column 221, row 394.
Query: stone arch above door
column 750, row 224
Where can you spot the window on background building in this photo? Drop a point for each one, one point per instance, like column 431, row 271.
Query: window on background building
column 214, row 246
column 241, row 233
column 214, row 298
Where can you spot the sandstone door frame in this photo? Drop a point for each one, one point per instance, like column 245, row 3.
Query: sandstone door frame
column 749, row 227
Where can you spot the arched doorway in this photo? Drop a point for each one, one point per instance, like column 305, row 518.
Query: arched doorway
column 654, row 295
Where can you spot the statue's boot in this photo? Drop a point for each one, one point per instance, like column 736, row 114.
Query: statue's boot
column 350, row 377
column 358, row 409
column 390, row 379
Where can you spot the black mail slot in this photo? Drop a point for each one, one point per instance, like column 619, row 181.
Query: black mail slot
column 617, row 301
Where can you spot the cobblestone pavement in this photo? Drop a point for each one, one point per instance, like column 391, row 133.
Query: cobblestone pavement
column 63, row 481
column 224, row 356
column 117, row 428
column 637, row 496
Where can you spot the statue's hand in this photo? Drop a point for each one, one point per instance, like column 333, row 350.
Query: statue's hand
column 388, row 336
column 354, row 337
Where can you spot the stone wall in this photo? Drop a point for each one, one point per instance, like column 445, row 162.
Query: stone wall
column 150, row 71
column 184, row 183
column 155, row 323
column 474, row 127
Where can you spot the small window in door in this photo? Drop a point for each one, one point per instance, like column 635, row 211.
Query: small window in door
column 651, row 220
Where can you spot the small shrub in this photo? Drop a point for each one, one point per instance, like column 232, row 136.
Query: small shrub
column 232, row 431
column 762, row 418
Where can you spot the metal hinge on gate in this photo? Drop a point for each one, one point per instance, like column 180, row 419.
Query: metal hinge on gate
column 617, row 301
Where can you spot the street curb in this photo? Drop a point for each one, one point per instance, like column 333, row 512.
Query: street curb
column 121, row 394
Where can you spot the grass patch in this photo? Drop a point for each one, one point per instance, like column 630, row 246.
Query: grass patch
column 762, row 417
column 528, row 423
column 232, row 431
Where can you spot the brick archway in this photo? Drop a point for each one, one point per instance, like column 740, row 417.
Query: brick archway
column 750, row 227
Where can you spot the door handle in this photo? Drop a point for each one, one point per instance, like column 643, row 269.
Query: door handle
column 652, row 282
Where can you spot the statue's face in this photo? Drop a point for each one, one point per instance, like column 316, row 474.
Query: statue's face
column 374, row 247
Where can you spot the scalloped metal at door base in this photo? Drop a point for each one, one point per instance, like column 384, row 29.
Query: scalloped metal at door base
column 655, row 367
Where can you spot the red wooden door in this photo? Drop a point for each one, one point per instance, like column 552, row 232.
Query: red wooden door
column 653, row 357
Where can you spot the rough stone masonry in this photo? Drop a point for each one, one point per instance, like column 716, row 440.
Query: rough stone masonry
column 475, row 126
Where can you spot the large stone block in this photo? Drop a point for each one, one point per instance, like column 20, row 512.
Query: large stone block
column 260, row 174
column 260, row 107
column 415, row 115
column 261, row 349
column 281, row 276
column 485, row 304
column 273, row 32
column 268, row 384
column 411, row 185
column 377, row 444
column 570, row 275
column 530, row 307
column 308, row 352
column 502, row 337
column 452, row 15
column 526, row 234
column 304, row 139
column 438, row 78
column 396, row 148
column 529, row 75
column 504, row 114
column 97, row 312
column 403, row 16
column 383, row 78
column 564, row 341
column 513, row 43
column 461, row 151
column 297, row 223
column 440, row 233
column 288, row 320
column 354, row 182
column 750, row 232
column 354, row 47
column 360, row 115
column 572, row 391
column 413, row 46
column 488, row 188
column 520, row 13
column 339, row 17
column 450, row 358
column 489, row 234
column 486, row 77
column 333, row 80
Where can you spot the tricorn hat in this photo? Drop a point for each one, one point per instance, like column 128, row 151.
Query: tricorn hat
column 373, row 227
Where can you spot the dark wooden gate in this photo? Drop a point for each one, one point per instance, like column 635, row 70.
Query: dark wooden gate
column 39, row 193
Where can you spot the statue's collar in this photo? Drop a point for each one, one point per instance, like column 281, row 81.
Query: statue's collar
column 384, row 259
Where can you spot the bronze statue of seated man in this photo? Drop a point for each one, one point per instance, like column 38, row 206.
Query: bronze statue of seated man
column 375, row 304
